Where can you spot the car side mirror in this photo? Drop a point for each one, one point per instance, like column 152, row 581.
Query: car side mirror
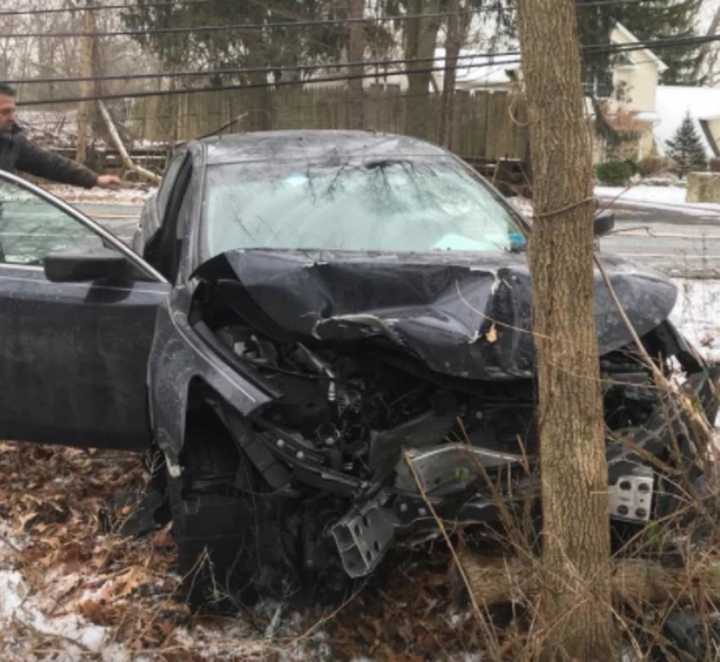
column 603, row 224
column 73, row 266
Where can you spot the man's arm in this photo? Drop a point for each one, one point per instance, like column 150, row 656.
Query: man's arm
column 43, row 163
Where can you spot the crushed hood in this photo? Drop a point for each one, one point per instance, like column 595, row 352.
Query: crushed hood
column 461, row 314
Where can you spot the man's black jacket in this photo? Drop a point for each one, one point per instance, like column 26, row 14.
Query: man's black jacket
column 18, row 153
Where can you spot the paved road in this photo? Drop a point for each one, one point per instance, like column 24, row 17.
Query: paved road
column 672, row 240
column 120, row 219
column 665, row 238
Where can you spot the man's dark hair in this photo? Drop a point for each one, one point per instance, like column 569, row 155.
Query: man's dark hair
column 7, row 90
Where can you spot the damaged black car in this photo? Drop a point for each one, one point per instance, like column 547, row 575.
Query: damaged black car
column 320, row 333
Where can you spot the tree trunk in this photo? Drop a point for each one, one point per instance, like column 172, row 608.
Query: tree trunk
column 453, row 43
column 127, row 161
column 421, row 39
column 575, row 603
column 356, row 51
column 85, row 108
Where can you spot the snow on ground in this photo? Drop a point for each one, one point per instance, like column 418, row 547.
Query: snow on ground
column 50, row 126
column 697, row 314
column 657, row 197
column 73, row 636
column 670, row 198
column 522, row 206
column 120, row 196
column 77, row 637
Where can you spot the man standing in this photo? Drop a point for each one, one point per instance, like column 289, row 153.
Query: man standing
column 18, row 153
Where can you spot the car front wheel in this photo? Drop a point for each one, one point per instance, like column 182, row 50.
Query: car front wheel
column 235, row 540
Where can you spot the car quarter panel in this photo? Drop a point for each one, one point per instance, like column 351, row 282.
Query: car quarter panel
column 178, row 357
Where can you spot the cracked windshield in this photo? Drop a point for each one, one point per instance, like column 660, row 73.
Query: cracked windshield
column 395, row 206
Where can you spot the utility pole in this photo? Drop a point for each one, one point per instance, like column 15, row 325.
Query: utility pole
column 356, row 52
column 575, row 604
column 85, row 108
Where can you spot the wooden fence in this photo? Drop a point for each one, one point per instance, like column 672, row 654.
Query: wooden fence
column 486, row 125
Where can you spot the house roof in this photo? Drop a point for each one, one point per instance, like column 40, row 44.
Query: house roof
column 621, row 35
column 476, row 70
column 479, row 70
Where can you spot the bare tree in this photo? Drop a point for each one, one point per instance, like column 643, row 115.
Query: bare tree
column 420, row 40
column 356, row 51
column 575, row 605
column 707, row 58
column 456, row 35
column 86, row 108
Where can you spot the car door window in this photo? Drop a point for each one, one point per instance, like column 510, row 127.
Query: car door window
column 32, row 227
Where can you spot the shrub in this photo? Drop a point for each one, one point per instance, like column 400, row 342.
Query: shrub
column 633, row 165
column 652, row 166
column 614, row 173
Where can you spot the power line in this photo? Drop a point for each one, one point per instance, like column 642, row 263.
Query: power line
column 493, row 59
column 239, row 27
column 247, row 86
column 176, row 3
column 604, row 3
column 249, row 70
column 289, row 110
column 256, row 86
column 94, row 8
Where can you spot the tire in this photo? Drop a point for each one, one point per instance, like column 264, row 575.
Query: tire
column 236, row 542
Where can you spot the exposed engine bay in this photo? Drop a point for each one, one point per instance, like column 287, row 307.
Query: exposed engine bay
column 366, row 422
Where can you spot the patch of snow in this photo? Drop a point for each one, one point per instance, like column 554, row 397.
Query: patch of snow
column 57, row 127
column 476, row 70
column 130, row 196
column 697, row 315
column 662, row 179
column 76, row 637
column 150, row 144
column 657, row 197
column 522, row 206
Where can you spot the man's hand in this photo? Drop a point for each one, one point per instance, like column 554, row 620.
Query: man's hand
column 108, row 181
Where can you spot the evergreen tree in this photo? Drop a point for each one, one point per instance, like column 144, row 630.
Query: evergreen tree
column 225, row 49
column 686, row 148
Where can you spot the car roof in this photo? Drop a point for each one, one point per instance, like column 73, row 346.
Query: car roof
column 323, row 146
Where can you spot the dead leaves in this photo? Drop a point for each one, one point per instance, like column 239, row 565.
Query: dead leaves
column 56, row 501
column 52, row 498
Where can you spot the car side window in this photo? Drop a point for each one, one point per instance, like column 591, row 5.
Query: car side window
column 166, row 187
column 31, row 228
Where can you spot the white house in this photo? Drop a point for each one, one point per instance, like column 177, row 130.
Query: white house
column 636, row 75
